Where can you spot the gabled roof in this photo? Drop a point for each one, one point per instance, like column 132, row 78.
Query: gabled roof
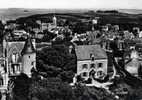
column 14, row 47
column 28, row 47
column 83, row 52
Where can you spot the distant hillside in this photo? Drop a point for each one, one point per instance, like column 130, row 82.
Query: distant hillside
column 107, row 17
column 131, row 11
column 13, row 13
column 126, row 18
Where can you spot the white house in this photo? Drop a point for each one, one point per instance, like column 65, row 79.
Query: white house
column 91, row 62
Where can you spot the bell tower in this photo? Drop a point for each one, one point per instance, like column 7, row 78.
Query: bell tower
column 54, row 21
column 28, row 57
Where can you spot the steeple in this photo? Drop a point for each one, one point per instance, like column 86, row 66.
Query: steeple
column 28, row 47
column 54, row 20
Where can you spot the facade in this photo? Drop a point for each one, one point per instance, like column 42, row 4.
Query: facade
column 91, row 62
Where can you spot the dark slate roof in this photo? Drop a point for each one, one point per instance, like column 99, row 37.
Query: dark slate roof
column 28, row 47
column 83, row 52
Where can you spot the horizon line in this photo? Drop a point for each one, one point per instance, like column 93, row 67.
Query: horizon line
column 75, row 8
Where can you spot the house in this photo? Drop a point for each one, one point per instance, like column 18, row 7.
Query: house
column 91, row 62
column 134, row 64
column 20, row 33
column 18, row 57
column 44, row 26
column 15, row 58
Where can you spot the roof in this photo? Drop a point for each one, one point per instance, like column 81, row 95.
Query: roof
column 28, row 47
column 132, row 66
column 133, row 63
column 83, row 52
column 15, row 47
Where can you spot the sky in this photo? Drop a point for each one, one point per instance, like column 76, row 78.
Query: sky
column 72, row 4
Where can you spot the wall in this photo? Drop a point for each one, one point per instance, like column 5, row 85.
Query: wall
column 27, row 63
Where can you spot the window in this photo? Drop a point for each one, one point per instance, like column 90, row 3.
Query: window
column 32, row 63
column 92, row 73
column 14, row 57
column 84, row 66
column 93, row 58
column 100, row 73
column 84, row 74
column 13, row 68
column 92, row 65
column 120, row 46
column 100, row 65
column 29, row 56
column 1, row 81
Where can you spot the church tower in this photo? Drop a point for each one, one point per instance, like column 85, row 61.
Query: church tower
column 28, row 57
column 54, row 21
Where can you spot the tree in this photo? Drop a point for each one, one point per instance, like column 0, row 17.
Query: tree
column 21, row 87
column 1, row 31
column 56, row 61
column 51, row 89
column 48, row 36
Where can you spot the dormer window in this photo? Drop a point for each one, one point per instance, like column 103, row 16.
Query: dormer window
column 92, row 57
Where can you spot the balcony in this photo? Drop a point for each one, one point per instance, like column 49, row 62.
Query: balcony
column 15, row 69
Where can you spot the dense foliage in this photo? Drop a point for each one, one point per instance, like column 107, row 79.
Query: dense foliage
column 20, row 87
column 56, row 61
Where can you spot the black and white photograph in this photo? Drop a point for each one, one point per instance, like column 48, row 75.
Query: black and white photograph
column 71, row 50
